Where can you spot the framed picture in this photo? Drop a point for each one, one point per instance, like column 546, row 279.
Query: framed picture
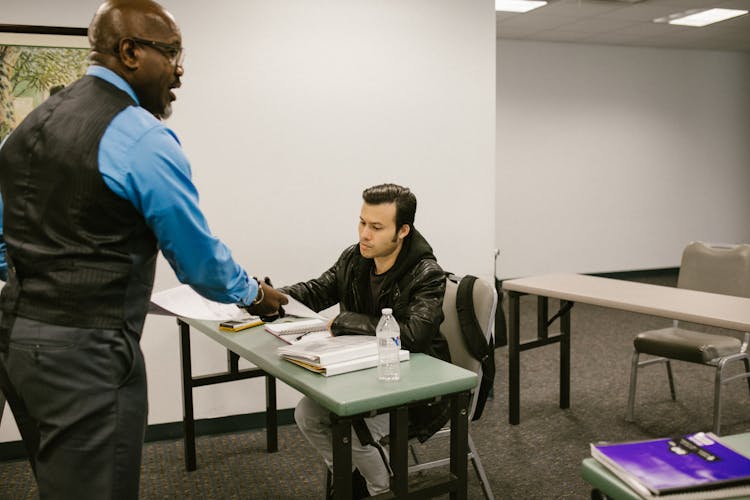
column 35, row 62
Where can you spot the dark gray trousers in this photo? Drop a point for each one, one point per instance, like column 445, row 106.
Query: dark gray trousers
column 2, row 404
column 79, row 399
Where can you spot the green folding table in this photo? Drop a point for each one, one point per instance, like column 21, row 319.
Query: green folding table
column 347, row 396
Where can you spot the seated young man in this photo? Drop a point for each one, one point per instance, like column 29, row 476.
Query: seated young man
column 391, row 266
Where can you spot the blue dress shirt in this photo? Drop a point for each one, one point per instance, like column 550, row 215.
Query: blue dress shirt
column 141, row 160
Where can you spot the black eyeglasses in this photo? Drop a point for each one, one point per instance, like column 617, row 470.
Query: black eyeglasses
column 174, row 52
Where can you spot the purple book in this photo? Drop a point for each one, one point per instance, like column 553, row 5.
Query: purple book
column 662, row 466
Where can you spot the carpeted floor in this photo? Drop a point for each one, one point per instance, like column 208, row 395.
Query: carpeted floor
column 538, row 459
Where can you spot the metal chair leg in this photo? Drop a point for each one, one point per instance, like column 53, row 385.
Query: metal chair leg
column 631, row 390
column 671, row 380
column 479, row 469
column 717, row 398
column 747, row 371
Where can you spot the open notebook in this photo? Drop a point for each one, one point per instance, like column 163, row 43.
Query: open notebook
column 300, row 324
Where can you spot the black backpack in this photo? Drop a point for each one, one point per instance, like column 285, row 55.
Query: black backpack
column 476, row 343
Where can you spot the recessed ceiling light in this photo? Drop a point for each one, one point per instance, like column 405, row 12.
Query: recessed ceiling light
column 701, row 18
column 518, row 5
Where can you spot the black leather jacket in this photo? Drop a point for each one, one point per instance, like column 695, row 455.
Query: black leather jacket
column 414, row 288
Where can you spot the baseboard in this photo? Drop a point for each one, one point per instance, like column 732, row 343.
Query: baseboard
column 14, row 450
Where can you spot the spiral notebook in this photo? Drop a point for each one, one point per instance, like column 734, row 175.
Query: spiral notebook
column 295, row 331
column 300, row 324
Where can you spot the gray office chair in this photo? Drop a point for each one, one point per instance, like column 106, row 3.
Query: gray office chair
column 485, row 302
column 721, row 269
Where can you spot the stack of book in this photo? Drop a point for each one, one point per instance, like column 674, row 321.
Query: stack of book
column 335, row 355
column 694, row 466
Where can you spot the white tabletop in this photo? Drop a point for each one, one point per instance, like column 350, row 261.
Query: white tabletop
column 712, row 309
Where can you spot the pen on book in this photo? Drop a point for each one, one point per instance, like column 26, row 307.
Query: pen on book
column 299, row 337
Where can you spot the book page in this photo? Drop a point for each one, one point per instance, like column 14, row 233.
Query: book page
column 184, row 301
column 300, row 310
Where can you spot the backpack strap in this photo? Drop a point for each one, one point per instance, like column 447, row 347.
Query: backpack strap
column 467, row 318
column 501, row 327
column 365, row 437
column 477, row 344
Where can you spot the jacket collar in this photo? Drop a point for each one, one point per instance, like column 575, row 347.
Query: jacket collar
column 414, row 250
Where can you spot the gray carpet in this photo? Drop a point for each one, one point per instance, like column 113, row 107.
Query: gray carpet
column 538, row 459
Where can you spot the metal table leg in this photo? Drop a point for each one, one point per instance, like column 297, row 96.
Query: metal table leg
column 188, row 420
column 232, row 374
column 342, row 456
column 514, row 358
column 399, row 452
column 565, row 354
column 459, row 443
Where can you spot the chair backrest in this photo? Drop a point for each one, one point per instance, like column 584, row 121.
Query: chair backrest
column 716, row 268
column 485, row 301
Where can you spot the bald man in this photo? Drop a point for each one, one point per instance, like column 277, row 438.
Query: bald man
column 94, row 185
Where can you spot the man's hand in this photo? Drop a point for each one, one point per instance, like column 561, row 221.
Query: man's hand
column 269, row 302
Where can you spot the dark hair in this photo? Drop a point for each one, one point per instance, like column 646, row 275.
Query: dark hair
column 406, row 202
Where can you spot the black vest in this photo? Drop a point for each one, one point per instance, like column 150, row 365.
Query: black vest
column 78, row 254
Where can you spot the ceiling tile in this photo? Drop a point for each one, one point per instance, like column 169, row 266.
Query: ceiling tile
column 621, row 22
column 597, row 25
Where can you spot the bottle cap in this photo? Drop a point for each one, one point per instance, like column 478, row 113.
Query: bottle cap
column 387, row 310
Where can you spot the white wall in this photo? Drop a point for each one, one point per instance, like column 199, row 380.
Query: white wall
column 613, row 158
column 288, row 110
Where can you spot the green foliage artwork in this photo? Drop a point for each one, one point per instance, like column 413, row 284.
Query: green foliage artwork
column 27, row 74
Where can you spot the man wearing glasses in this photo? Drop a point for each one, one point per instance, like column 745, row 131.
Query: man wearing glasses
column 94, row 184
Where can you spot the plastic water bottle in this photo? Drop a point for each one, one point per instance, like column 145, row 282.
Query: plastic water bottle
column 389, row 344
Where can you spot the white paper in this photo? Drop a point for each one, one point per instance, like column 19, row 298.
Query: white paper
column 184, row 301
column 297, row 308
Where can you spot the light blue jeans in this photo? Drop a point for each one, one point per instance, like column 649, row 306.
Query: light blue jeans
column 315, row 423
